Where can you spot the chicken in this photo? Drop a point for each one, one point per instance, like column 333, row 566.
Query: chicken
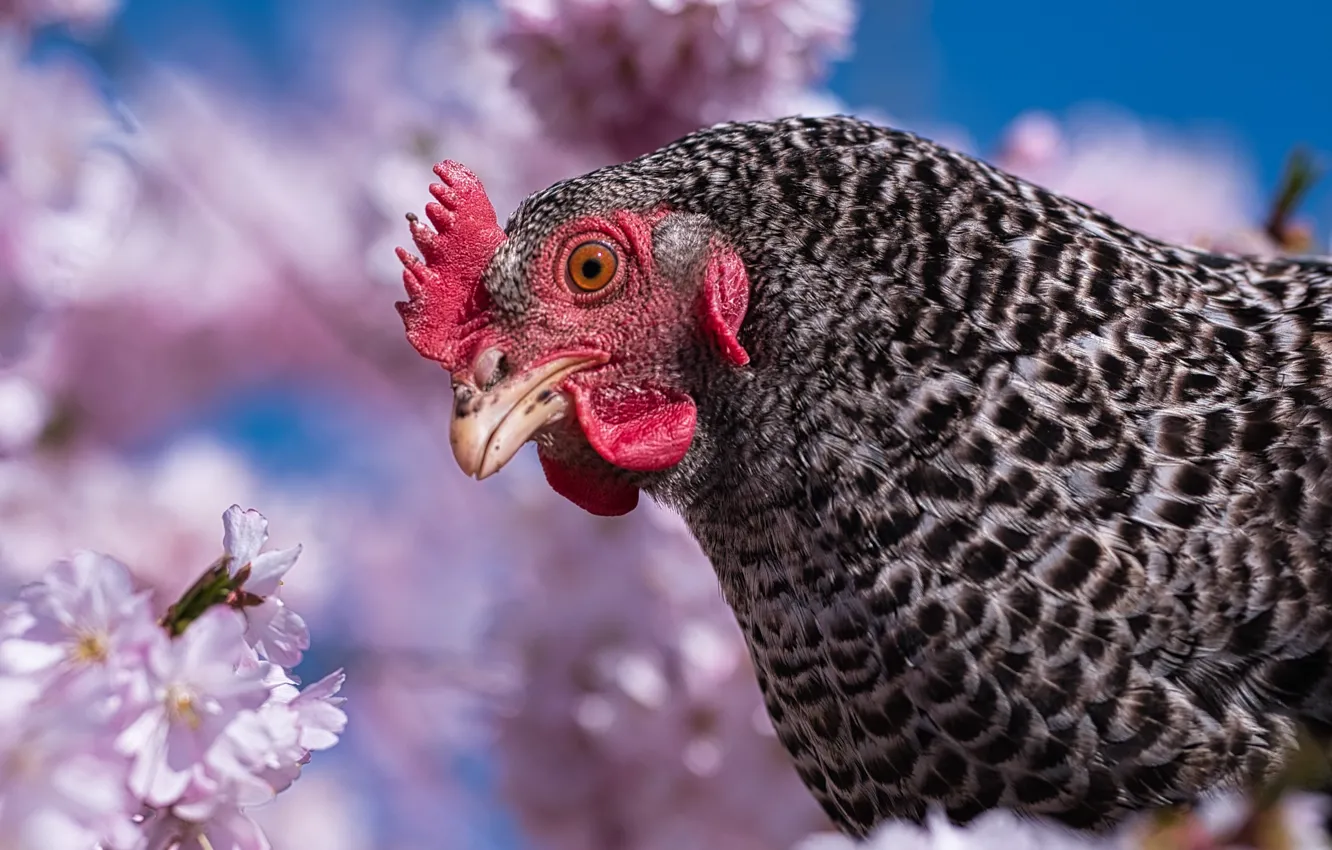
column 1016, row 507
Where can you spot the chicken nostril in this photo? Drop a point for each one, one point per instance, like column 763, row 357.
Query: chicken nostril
column 490, row 369
column 464, row 399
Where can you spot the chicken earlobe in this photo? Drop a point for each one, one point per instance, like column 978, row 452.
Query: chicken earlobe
column 689, row 254
column 725, row 301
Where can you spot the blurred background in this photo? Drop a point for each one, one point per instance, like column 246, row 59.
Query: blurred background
column 198, row 205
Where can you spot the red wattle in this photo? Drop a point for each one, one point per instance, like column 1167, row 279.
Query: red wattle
column 639, row 428
column 598, row 495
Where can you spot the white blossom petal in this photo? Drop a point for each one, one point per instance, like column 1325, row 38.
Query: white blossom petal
column 268, row 568
column 278, row 632
column 244, row 534
column 321, row 720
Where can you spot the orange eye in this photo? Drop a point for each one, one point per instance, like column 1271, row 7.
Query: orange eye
column 592, row 265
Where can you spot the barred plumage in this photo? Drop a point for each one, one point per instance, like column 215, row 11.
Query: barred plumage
column 1016, row 507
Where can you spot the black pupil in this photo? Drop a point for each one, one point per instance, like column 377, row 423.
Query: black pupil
column 591, row 268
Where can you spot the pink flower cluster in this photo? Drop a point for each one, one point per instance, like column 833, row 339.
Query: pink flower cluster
column 638, row 723
column 1230, row 822
column 1174, row 187
column 126, row 732
column 167, row 249
column 629, row 76
column 79, row 14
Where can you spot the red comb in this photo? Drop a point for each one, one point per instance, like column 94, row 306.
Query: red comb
column 447, row 304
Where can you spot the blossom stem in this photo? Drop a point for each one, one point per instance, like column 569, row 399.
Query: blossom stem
column 1300, row 176
column 211, row 588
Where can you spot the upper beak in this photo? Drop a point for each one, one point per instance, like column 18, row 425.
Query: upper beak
column 490, row 427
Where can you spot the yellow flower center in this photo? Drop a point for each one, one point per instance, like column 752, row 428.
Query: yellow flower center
column 181, row 708
column 90, row 648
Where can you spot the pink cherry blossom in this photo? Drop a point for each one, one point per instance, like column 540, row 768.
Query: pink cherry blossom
column 1216, row 825
column 318, row 712
column 228, row 829
column 995, row 829
column 158, row 516
column 84, row 611
column 104, row 717
column 193, row 691
column 84, row 15
column 62, row 785
column 60, row 177
column 638, row 719
column 631, row 76
column 1175, row 187
column 261, row 752
column 277, row 632
column 240, row 767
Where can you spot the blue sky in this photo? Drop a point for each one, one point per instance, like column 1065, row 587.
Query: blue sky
column 1256, row 74
column 1259, row 74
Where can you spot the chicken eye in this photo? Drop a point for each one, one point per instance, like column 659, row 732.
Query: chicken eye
column 592, row 265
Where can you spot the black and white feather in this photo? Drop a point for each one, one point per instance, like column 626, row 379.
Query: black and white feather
column 1016, row 507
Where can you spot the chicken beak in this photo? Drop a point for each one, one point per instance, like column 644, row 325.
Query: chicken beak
column 489, row 428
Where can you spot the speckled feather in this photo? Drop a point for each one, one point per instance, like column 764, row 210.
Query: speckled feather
column 1016, row 507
